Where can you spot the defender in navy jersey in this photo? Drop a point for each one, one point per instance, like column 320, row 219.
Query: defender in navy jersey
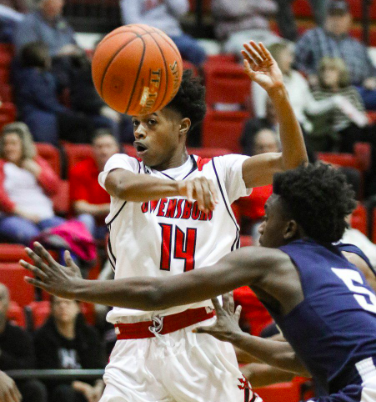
column 320, row 300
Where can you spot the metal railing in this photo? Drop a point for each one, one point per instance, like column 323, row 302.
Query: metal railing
column 61, row 374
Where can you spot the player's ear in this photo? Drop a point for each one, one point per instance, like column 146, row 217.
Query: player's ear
column 291, row 230
column 185, row 125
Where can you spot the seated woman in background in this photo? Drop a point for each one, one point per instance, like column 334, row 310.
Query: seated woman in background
column 26, row 184
column 37, row 100
column 347, row 120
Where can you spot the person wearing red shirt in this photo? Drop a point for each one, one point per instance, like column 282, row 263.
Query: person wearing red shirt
column 89, row 201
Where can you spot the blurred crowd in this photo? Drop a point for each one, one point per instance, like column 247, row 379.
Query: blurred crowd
column 331, row 81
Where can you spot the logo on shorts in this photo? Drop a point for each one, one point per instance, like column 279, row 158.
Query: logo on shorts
column 249, row 396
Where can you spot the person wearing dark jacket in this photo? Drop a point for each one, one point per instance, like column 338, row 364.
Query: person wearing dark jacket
column 17, row 352
column 65, row 341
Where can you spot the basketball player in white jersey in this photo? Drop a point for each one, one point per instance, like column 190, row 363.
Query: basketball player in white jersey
column 171, row 213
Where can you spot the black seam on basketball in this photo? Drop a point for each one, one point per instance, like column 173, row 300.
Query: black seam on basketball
column 172, row 47
column 138, row 74
column 166, row 68
column 112, row 59
column 104, row 40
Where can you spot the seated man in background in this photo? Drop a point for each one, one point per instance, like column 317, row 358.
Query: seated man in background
column 164, row 15
column 65, row 341
column 88, row 198
column 334, row 40
column 17, row 353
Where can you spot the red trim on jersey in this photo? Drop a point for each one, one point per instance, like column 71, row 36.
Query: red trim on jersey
column 201, row 162
column 171, row 323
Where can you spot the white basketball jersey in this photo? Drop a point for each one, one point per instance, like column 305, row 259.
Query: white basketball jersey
column 171, row 235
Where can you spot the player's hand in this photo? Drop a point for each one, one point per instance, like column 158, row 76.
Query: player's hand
column 227, row 323
column 261, row 67
column 8, row 389
column 202, row 190
column 49, row 275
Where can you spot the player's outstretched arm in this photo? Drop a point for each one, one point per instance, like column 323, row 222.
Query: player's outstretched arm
column 263, row 69
column 245, row 266
column 275, row 353
column 128, row 186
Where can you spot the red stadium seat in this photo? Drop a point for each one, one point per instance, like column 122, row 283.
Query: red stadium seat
column 130, row 150
column 4, row 75
column 41, row 310
column 359, row 219
column 223, row 129
column 12, row 275
column 7, row 113
column 360, row 159
column 220, row 59
column 61, row 200
column 6, row 93
column 246, row 241
column 208, row 152
column 12, row 252
column 283, row 392
column 51, row 155
column 16, row 314
column 77, row 153
column 226, row 83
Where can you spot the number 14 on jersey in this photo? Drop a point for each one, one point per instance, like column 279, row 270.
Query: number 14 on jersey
column 177, row 244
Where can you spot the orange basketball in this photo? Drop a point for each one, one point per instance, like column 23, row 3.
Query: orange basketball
column 137, row 69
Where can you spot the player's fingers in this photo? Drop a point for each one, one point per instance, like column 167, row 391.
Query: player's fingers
column 255, row 52
column 249, row 59
column 217, row 305
column 225, row 302
column 35, row 282
column 15, row 394
column 32, row 268
column 189, row 187
column 265, row 52
column 213, row 191
column 44, row 253
column 238, row 312
column 199, row 194
column 69, row 260
column 208, row 198
column 231, row 304
column 37, row 259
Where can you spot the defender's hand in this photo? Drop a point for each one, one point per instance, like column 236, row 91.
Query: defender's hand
column 202, row 190
column 261, row 67
column 50, row 275
column 227, row 323
column 8, row 389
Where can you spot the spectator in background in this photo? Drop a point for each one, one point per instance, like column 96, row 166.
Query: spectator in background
column 301, row 98
column 17, row 353
column 164, row 15
column 26, row 184
column 65, row 341
column 11, row 13
column 286, row 19
column 37, row 99
column 48, row 26
column 334, row 40
column 90, row 202
column 236, row 21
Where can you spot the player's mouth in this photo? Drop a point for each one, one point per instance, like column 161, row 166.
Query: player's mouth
column 141, row 148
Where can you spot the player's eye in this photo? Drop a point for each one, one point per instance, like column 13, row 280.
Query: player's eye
column 152, row 122
column 135, row 123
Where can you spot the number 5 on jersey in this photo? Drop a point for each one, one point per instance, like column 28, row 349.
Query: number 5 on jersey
column 179, row 245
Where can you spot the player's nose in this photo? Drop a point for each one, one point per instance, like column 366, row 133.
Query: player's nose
column 140, row 132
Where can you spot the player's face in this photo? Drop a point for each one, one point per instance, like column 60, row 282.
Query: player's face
column 273, row 228
column 158, row 139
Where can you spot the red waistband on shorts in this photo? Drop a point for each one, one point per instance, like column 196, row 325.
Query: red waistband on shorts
column 162, row 325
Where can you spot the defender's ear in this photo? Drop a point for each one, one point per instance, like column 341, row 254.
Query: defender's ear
column 291, row 230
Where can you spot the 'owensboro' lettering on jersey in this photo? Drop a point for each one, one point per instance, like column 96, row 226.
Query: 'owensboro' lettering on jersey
column 176, row 209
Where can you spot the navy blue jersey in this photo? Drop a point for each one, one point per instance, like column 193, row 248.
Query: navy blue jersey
column 334, row 327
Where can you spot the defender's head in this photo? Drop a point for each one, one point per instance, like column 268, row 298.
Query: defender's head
column 161, row 136
column 310, row 201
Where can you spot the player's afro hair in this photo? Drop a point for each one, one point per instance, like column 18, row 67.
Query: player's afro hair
column 190, row 99
column 318, row 198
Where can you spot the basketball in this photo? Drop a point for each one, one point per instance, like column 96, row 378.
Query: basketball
column 137, row 69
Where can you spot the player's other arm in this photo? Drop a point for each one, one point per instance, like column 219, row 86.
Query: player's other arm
column 242, row 267
column 128, row 186
column 263, row 69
